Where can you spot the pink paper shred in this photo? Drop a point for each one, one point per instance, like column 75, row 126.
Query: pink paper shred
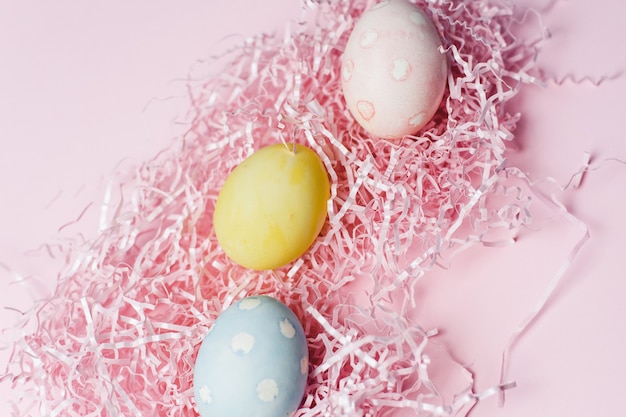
column 120, row 333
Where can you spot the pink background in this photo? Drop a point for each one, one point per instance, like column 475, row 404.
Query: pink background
column 86, row 87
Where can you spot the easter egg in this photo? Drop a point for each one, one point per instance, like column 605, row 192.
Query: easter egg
column 253, row 362
column 393, row 73
column 272, row 206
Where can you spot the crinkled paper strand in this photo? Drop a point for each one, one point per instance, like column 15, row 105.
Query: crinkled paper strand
column 120, row 333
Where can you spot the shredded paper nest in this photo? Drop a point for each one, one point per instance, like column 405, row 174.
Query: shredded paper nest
column 120, row 334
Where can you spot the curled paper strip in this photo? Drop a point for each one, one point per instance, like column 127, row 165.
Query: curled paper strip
column 120, row 333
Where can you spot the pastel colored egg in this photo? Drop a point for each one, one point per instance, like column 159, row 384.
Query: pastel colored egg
column 272, row 206
column 393, row 72
column 253, row 362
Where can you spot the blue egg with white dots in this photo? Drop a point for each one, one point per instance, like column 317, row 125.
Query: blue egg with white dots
column 254, row 362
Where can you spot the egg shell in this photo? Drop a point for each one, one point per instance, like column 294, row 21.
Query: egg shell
column 254, row 362
column 272, row 206
column 393, row 72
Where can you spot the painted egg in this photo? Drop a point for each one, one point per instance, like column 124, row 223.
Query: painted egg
column 253, row 362
column 272, row 206
column 393, row 73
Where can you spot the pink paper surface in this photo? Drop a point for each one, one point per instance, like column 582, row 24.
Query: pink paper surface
column 85, row 88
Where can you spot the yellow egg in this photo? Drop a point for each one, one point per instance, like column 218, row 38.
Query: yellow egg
column 272, row 206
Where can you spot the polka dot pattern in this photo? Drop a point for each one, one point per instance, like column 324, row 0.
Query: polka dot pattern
column 393, row 72
column 304, row 365
column 368, row 38
column 205, row 394
column 346, row 70
column 238, row 370
column 287, row 329
column 417, row 120
column 249, row 304
column 366, row 109
column 242, row 343
column 267, row 390
column 400, row 69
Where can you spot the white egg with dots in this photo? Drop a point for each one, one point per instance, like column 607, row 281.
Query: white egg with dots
column 393, row 70
column 253, row 362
